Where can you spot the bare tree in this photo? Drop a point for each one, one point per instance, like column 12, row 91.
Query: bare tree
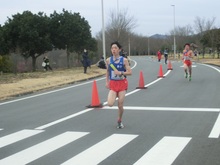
column 202, row 26
column 183, row 34
column 119, row 23
column 183, row 31
column 120, row 26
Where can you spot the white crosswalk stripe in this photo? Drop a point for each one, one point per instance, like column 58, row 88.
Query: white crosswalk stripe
column 216, row 129
column 101, row 151
column 30, row 154
column 17, row 136
column 164, row 152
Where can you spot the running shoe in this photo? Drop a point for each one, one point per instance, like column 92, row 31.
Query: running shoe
column 190, row 78
column 186, row 75
column 120, row 125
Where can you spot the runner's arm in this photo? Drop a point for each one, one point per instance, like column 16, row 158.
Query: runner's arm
column 127, row 68
column 191, row 54
column 107, row 73
column 183, row 55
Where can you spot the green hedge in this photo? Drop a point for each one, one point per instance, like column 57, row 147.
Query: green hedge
column 5, row 64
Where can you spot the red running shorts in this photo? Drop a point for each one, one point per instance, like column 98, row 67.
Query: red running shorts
column 118, row 85
column 188, row 62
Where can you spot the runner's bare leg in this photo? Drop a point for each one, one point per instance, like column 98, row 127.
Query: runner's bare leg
column 185, row 68
column 121, row 97
column 190, row 70
column 111, row 98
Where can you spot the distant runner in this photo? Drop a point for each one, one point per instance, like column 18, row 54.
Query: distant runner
column 187, row 63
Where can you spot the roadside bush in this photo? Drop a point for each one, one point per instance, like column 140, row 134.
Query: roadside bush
column 5, row 64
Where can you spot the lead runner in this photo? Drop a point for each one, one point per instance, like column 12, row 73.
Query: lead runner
column 117, row 70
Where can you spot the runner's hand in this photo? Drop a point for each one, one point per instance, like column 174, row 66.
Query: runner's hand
column 116, row 72
column 107, row 85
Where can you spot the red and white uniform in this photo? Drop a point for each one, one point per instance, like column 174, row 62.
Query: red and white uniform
column 187, row 58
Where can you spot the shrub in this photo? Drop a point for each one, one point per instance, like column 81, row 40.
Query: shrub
column 5, row 64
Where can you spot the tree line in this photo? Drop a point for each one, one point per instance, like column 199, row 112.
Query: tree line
column 31, row 35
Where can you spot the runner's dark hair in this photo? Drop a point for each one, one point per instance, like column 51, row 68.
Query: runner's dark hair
column 187, row 44
column 116, row 43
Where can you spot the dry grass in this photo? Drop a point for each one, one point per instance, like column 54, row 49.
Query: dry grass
column 210, row 61
column 13, row 85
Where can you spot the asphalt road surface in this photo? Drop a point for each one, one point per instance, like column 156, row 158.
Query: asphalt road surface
column 173, row 121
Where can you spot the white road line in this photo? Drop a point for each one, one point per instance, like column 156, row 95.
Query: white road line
column 166, row 109
column 17, row 136
column 64, row 119
column 194, row 66
column 101, row 150
column 1, row 129
column 216, row 129
column 164, row 152
column 87, row 110
column 218, row 70
column 30, row 154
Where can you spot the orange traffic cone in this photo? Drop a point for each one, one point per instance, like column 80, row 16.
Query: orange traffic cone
column 141, row 82
column 160, row 74
column 169, row 67
column 95, row 97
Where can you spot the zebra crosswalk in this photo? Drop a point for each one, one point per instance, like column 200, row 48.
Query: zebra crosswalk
column 101, row 149
column 95, row 154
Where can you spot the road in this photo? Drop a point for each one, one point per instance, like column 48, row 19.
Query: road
column 173, row 121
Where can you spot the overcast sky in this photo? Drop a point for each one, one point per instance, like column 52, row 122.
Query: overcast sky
column 152, row 17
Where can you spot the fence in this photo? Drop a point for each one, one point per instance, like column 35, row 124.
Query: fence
column 57, row 58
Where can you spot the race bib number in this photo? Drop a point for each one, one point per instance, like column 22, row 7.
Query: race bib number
column 186, row 58
column 116, row 77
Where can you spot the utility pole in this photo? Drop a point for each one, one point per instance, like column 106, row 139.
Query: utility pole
column 103, row 32
column 118, row 19
column 148, row 45
column 174, row 32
